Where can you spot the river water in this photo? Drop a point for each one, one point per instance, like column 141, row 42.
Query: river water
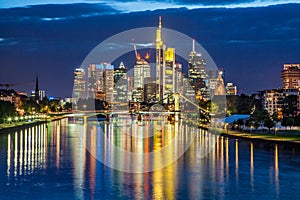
column 56, row 161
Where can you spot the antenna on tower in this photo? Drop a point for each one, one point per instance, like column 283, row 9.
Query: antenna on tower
column 193, row 45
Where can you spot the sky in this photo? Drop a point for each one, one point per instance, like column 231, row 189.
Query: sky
column 251, row 40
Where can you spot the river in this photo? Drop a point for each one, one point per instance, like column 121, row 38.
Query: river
column 56, row 161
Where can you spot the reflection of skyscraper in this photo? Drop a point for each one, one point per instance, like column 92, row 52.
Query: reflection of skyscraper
column 79, row 84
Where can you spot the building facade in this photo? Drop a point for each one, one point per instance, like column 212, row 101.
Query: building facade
column 79, row 91
column 290, row 76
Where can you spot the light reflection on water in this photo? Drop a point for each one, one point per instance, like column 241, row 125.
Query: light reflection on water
column 50, row 161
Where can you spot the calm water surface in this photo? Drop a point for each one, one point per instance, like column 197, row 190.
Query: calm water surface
column 50, row 161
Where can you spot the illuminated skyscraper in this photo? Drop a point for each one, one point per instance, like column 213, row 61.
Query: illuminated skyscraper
column 169, row 71
column 79, row 84
column 160, row 63
column 197, row 72
column 120, row 84
column 108, row 82
column 95, row 80
column 178, row 78
column 141, row 71
column 220, row 90
column 101, row 81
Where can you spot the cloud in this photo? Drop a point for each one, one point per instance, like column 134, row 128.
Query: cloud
column 7, row 42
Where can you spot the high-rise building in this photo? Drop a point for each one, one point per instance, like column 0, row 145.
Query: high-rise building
column 42, row 94
column 108, row 82
column 101, row 81
column 220, row 90
column 79, row 84
column 160, row 63
column 120, row 84
column 169, row 71
column 198, row 77
column 290, row 76
column 178, row 78
column 149, row 90
column 231, row 89
column 95, row 80
column 141, row 71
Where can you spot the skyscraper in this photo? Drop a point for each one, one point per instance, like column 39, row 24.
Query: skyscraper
column 197, row 72
column 95, row 80
column 101, row 81
column 79, row 84
column 160, row 63
column 141, row 71
column 169, row 71
column 120, row 84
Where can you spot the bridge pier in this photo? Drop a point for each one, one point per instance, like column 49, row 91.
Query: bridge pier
column 139, row 117
column 107, row 117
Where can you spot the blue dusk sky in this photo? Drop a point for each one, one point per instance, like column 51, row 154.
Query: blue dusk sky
column 251, row 40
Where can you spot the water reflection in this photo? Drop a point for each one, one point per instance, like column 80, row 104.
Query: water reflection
column 26, row 150
column 55, row 157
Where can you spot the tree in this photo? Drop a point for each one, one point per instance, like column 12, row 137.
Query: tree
column 288, row 121
column 269, row 123
column 6, row 109
column 289, row 106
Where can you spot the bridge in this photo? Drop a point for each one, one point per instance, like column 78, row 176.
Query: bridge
column 174, row 114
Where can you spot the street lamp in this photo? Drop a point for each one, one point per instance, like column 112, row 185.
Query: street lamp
column 9, row 119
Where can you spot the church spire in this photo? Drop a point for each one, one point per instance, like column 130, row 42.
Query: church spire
column 36, row 94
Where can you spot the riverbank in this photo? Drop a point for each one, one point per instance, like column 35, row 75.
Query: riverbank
column 271, row 137
column 12, row 127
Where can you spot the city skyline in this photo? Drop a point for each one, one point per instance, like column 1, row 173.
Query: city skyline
column 251, row 53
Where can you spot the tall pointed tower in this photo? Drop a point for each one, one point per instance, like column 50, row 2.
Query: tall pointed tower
column 36, row 93
column 160, row 63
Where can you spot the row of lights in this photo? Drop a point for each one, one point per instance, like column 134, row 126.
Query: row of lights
column 9, row 119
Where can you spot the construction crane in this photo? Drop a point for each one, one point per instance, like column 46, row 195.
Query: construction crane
column 137, row 55
column 148, row 54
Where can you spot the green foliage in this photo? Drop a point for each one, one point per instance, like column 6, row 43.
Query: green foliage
column 269, row 123
column 30, row 106
column 6, row 109
column 289, row 106
column 288, row 121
